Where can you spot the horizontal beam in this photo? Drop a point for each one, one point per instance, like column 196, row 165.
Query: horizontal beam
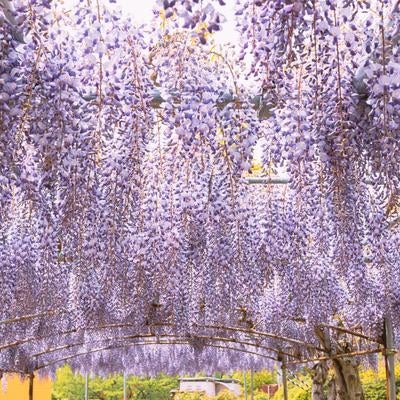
column 259, row 103
column 336, row 356
column 351, row 332
column 30, row 316
column 276, row 180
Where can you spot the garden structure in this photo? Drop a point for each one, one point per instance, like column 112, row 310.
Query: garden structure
column 136, row 228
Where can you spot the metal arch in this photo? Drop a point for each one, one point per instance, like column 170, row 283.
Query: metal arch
column 121, row 325
column 126, row 325
column 254, row 334
column 211, row 337
column 143, row 336
column 264, row 334
column 147, row 343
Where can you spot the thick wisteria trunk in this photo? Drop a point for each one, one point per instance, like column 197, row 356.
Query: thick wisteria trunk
column 347, row 383
column 332, row 390
column 319, row 375
column 344, row 385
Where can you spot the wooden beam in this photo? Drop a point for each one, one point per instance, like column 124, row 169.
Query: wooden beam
column 284, row 378
column 125, row 392
column 260, row 103
column 351, row 332
column 273, row 180
column 30, row 316
column 87, row 386
column 245, row 384
column 389, row 353
column 335, row 356
column 251, row 384
column 30, row 390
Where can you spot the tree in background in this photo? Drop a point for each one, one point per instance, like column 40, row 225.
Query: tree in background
column 158, row 388
column 70, row 386
column 260, row 378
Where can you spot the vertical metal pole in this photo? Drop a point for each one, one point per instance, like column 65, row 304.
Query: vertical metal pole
column 31, row 378
column 389, row 360
column 284, row 380
column 245, row 384
column 87, row 386
column 125, row 394
column 252, row 384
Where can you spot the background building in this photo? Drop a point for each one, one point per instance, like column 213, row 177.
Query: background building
column 210, row 386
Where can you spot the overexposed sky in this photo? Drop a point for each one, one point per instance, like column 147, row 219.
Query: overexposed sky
column 141, row 11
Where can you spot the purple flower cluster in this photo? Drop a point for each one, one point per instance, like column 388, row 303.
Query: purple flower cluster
column 129, row 235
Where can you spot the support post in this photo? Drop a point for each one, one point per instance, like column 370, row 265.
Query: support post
column 389, row 360
column 87, row 386
column 284, row 378
column 251, row 384
column 31, row 378
column 245, row 384
column 125, row 394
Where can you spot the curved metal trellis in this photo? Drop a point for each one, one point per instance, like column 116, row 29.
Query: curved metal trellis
column 146, row 343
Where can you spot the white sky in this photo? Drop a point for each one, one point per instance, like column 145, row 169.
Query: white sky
column 141, row 11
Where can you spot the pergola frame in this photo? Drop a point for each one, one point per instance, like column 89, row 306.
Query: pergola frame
column 385, row 346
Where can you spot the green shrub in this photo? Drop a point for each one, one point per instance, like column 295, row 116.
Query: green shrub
column 299, row 387
column 260, row 378
column 190, row 396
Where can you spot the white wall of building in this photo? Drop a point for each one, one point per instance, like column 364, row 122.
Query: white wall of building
column 198, row 386
column 231, row 386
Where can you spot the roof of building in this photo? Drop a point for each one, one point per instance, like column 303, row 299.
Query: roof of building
column 209, row 379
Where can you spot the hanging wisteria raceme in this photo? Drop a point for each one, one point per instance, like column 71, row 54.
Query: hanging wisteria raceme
column 130, row 237
column 203, row 16
column 307, row 51
column 149, row 359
